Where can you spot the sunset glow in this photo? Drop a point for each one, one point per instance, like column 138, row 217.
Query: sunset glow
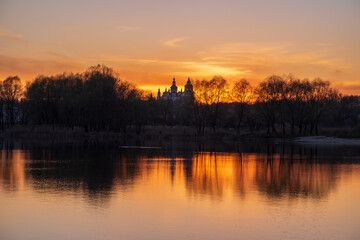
column 149, row 43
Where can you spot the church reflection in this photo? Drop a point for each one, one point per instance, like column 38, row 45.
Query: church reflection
column 96, row 171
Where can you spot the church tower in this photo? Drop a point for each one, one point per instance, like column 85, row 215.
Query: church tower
column 173, row 87
column 158, row 95
column 173, row 93
column 188, row 88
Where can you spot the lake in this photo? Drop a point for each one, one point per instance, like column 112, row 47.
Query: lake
column 181, row 190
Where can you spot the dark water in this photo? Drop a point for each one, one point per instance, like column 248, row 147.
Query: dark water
column 184, row 190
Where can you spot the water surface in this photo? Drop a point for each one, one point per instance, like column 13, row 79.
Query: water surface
column 181, row 191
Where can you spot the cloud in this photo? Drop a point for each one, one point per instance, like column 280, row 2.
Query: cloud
column 162, row 68
column 253, row 61
column 325, row 44
column 28, row 68
column 9, row 35
column 259, row 60
column 208, row 69
column 174, row 43
column 347, row 88
column 128, row 28
column 55, row 54
column 332, row 63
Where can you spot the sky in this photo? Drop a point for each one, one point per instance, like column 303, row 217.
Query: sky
column 150, row 42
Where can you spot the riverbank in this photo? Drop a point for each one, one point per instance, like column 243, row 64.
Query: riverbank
column 149, row 132
column 323, row 140
column 182, row 133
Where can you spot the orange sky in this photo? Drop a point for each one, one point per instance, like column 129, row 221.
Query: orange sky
column 148, row 43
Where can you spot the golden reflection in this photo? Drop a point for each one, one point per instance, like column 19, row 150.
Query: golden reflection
column 215, row 173
column 12, row 169
column 210, row 175
column 198, row 175
column 277, row 177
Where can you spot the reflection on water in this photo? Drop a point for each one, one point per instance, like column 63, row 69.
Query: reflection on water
column 97, row 171
column 101, row 175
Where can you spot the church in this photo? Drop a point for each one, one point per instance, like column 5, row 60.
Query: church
column 173, row 93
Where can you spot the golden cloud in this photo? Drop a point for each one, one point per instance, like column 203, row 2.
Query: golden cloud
column 9, row 35
column 174, row 43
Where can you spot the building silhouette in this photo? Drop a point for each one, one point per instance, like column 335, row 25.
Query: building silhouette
column 174, row 94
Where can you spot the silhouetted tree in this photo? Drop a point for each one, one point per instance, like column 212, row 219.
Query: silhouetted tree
column 349, row 111
column 242, row 94
column 270, row 93
column 218, row 94
column 321, row 99
column 208, row 96
column 11, row 91
column 98, row 100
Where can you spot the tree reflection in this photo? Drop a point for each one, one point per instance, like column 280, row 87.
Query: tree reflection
column 98, row 171
column 277, row 176
column 12, row 170
column 206, row 177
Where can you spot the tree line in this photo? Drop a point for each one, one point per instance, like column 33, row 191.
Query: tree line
column 98, row 100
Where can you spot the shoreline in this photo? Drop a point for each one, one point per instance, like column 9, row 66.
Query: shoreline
column 324, row 140
column 169, row 133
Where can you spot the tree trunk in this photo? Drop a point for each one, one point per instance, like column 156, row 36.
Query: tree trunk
column 238, row 128
column 284, row 131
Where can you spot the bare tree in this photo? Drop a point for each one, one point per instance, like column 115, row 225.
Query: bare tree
column 201, row 104
column 242, row 94
column 320, row 100
column 208, row 96
column 218, row 94
column 11, row 92
column 270, row 92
